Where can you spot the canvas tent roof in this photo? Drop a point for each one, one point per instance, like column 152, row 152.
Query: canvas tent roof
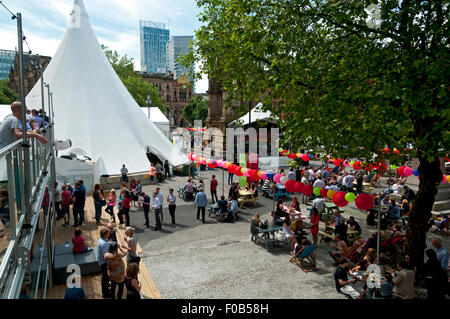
column 94, row 109
column 158, row 118
column 256, row 115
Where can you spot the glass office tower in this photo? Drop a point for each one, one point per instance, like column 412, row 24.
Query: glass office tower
column 154, row 37
column 179, row 46
column 6, row 62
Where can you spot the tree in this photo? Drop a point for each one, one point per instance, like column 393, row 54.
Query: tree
column 138, row 89
column 7, row 95
column 196, row 109
column 340, row 79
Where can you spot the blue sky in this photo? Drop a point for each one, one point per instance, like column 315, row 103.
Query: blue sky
column 115, row 22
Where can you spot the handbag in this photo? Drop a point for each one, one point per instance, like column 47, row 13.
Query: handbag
column 103, row 202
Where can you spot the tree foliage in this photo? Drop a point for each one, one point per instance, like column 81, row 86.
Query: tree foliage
column 196, row 109
column 7, row 95
column 138, row 89
column 341, row 78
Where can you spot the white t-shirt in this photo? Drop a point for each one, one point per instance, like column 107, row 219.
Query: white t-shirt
column 319, row 183
column 319, row 203
column 124, row 171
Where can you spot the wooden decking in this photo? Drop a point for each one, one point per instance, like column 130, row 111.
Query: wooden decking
column 92, row 284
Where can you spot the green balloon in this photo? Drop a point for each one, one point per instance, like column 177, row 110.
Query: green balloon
column 317, row 191
column 351, row 164
column 350, row 197
column 280, row 149
column 393, row 166
column 243, row 181
column 242, row 170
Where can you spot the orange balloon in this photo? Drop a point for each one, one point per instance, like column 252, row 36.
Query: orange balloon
column 331, row 193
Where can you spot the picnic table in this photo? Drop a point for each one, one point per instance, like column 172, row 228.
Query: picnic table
column 281, row 192
column 294, row 215
column 263, row 235
column 246, row 197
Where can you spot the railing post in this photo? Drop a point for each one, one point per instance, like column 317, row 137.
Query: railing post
column 25, row 144
column 11, row 196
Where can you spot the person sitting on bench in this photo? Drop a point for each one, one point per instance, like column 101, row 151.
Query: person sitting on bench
column 189, row 189
column 233, row 207
column 79, row 245
column 338, row 251
column 290, row 235
column 223, row 204
column 393, row 212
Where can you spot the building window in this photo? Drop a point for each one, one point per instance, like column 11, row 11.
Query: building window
column 167, row 97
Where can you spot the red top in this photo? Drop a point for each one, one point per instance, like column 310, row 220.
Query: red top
column 65, row 197
column 46, row 199
column 78, row 244
column 214, row 184
column 315, row 229
column 126, row 202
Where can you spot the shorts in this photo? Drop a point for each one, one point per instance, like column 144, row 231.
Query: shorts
column 65, row 209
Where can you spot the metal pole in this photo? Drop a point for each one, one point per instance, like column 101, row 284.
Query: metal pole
column 42, row 90
column 223, row 181
column 378, row 234
column 25, row 145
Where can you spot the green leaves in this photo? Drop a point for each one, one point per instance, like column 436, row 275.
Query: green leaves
column 196, row 109
column 7, row 95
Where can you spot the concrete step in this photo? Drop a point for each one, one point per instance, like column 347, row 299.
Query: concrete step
column 441, row 205
column 443, row 194
column 439, row 213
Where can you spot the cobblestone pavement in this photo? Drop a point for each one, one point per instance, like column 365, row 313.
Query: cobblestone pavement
column 218, row 260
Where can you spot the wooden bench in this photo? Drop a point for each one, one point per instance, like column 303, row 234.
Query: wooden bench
column 242, row 201
column 325, row 234
column 268, row 242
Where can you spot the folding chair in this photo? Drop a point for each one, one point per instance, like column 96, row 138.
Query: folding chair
column 305, row 255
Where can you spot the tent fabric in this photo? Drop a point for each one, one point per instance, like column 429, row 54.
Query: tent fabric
column 93, row 108
column 256, row 115
column 5, row 110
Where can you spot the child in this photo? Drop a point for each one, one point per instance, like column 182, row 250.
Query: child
column 111, row 203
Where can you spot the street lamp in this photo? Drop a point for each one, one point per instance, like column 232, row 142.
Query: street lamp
column 148, row 101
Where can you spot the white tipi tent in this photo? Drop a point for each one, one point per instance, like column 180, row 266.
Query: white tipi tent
column 94, row 109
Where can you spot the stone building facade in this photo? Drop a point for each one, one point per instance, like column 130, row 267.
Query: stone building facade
column 31, row 70
column 176, row 95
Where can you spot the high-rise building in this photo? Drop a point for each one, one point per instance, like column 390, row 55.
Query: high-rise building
column 6, row 62
column 179, row 46
column 154, row 37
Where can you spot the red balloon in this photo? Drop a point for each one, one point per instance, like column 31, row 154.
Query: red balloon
column 292, row 156
column 305, row 157
column 290, row 186
column 401, row 170
column 323, row 192
column 336, row 163
column 307, row 190
column 231, row 168
column 357, row 165
column 364, row 201
column 339, row 199
column 238, row 172
column 298, row 187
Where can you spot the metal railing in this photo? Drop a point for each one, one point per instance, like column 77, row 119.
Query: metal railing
column 24, row 201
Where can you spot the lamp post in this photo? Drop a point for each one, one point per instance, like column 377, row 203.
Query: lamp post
column 148, row 101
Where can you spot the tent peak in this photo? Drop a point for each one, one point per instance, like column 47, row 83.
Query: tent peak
column 78, row 8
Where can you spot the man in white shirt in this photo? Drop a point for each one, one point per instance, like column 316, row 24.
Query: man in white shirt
column 124, row 172
column 157, row 207
column 339, row 179
column 319, row 203
column 161, row 199
column 291, row 174
column 311, row 174
column 319, row 183
column 58, row 200
column 233, row 207
column 348, row 182
column 398, row 188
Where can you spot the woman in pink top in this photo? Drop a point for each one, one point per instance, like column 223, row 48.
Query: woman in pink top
column 315, row 219
column 152, row 173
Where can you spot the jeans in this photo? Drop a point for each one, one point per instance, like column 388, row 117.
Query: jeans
column 82, row 214
column 214, row 193
column 126, row 212
column 336, row 256
column 113, row 289
column 166, row 172
column 124, row 178
column 172, row 212
column 77, row 212
column 202, row 209
column 157, row 220
column 58, row 209
column 146, row 208
column 230, row 179
column 105, row 280
column 110, row 210
column 98, row 210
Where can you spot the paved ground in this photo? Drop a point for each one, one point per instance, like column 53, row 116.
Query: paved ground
column 218, row 260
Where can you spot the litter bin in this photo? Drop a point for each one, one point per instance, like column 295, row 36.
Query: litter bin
column 185, row 170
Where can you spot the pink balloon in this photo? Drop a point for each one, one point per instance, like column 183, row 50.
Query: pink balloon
column 264, row 175
column 247, row 172
column 408, row 171
column 444, row 179
column 277, row 178
column 346, row 163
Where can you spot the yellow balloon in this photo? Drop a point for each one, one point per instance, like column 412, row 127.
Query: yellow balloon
column 448, row 178
column 331, row 193
column 259, row 174
column 228, row 164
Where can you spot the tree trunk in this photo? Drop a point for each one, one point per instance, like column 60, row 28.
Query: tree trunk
column 430, row 179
